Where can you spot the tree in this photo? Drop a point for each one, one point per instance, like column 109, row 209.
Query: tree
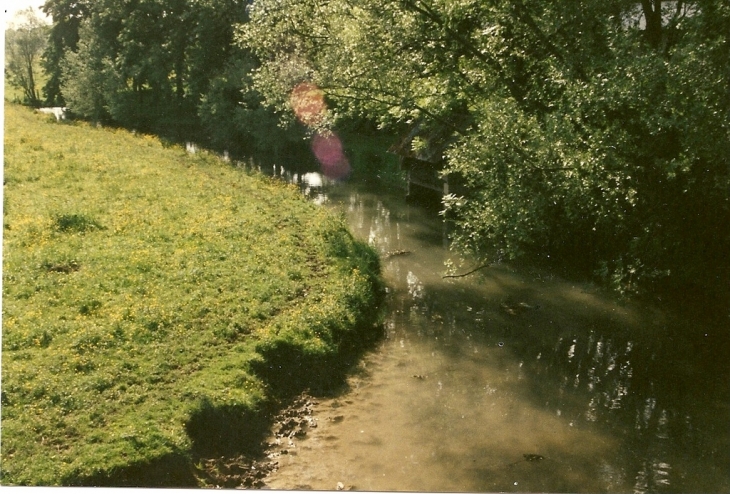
column 151, row 61
column 24, row 44
column 594, row 131
column 234, row 119
column 91, row 84
column 63, row 37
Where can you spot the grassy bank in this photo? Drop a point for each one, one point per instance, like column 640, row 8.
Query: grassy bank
column 154, row 303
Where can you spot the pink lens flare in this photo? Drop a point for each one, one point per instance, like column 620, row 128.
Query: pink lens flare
column 329, row 153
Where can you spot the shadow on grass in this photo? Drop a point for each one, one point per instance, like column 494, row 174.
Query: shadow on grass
column 171, row 470
column 238, row 431
column 228, row 430
column 231, row 433
column 288, row 369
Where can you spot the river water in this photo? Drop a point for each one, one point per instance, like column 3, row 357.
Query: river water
column 511, row 379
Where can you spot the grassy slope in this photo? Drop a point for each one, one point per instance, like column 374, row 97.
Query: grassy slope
column 145, row 288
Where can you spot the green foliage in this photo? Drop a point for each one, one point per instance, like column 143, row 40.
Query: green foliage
column 143, row 292
column 234, row 118
column 594, row 133
column 64, row 36
column 165, row 67
column 88, row 76
column 140, row 65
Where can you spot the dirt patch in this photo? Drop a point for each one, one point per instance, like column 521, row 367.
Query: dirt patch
column 238, row 472
column 250, row 471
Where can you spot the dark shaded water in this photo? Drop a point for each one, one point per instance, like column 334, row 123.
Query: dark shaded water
column 512, row 379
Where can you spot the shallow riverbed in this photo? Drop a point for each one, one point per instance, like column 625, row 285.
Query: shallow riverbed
column 510, row 379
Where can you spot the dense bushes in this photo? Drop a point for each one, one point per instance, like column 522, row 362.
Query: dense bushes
column 594, row 133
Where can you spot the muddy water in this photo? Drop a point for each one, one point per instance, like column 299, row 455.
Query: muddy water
column 511, row 380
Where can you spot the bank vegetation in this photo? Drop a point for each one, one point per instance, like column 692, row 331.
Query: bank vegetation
column 158, row 304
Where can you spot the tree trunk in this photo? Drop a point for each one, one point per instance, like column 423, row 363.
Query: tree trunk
column 653, row 15
column 30, row 89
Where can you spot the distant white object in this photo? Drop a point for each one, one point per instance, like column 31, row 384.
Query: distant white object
column 191, row 147
column 57, row 111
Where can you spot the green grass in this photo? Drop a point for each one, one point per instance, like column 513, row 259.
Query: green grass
column 154, row 301
column 12, row 93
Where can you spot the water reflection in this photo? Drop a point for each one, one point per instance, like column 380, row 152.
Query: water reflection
column 477, row 374
column 415, row 287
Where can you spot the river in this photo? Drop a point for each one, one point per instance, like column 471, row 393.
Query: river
column 510, row 379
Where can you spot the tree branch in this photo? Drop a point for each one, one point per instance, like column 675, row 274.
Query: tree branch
column 428, row 12
column 468, row 272
column 524, row 15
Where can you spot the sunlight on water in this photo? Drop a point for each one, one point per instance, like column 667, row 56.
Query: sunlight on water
column 508, row 381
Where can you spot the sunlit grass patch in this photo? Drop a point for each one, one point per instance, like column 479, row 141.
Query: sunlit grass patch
column 143, row 287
